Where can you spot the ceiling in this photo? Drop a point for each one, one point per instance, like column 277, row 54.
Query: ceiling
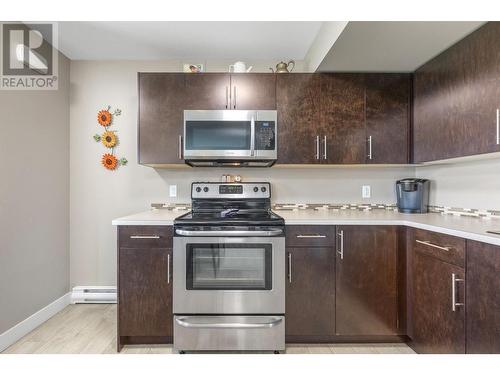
column 392, row 46
column 186, row 40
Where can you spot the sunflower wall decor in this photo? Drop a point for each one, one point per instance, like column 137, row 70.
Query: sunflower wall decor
column 109, row 138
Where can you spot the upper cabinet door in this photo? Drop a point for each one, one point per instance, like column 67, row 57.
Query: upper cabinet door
column 342, row 133
column 298, row 97
column 206, row 91
column 366, row 280
column 253, row 91
column 160, row 118
column 387, row 118
column 456, row 99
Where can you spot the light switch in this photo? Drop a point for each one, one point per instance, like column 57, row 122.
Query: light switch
column 366, row 191
column 173, row 190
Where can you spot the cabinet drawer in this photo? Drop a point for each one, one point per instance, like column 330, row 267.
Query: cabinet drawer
column 145, row 236
column 310, row 235
column 441, row 246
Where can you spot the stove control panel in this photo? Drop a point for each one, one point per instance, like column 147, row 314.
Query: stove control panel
column 236, row 190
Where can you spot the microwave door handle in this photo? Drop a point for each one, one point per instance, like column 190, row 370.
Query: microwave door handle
column 252, row 136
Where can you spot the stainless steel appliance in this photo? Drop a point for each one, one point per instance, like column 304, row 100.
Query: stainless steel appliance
column 413, row 195
column 229, row 270
column 230, row 138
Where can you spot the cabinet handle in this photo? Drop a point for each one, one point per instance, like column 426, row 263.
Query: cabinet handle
column 429, row 243
column 324, row 141
column 290, row 268
column 341, row 252
column 498, row 126
column 310, row 236
column 180, row 147
column 227, row 97
column 317, row 147
column 139, row 237
column 370, row 154
column 234, row 100
column 454, row 302
column 168, row 268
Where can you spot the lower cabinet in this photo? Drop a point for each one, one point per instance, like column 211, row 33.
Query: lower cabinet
column 310, row 293
column 366, row 281
column 438, row 296
column 310, row 284
column 144, row 285
column 483, row 298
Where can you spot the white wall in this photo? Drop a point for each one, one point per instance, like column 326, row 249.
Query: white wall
column 34, row 199
column 98, row 196
column 472, row 184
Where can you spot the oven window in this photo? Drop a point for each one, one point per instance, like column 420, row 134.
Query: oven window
column 218, row 135
column 229, row 267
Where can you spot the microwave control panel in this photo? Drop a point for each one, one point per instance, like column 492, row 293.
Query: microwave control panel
column 265, row 135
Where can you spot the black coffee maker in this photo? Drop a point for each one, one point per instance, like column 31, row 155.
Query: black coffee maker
column 413, row 195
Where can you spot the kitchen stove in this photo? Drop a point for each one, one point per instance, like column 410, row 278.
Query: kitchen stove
column 229, row 270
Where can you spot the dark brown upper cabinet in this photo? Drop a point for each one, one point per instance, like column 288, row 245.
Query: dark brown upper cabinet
column 342, row 127
column 163, row 97
column 387, row 118
column 298, row 99
column 483, row 298
column 245, row 91
column 366, row 281
column 206, row 91
column 457, row 98
column 331, row 118
column 253, row 91
column 160, row 118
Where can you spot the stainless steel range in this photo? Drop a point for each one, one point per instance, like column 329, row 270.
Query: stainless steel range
column 229, row 270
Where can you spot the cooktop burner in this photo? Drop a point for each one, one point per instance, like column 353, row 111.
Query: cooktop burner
column 240, row 218
column 230, row 204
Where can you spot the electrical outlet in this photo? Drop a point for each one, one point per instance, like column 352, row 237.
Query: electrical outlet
column 173, row 190
column 366, row 191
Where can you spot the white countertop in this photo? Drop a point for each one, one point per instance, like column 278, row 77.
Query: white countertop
column 472, row 228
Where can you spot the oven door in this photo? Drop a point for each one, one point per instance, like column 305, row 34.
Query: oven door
column 229, row 275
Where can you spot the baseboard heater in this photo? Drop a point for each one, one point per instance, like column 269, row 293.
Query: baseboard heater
column 93, row 294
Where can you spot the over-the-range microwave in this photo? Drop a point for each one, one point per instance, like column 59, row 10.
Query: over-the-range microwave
column 233, row 138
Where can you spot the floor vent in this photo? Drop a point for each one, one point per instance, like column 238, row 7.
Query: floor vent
column 93, row 294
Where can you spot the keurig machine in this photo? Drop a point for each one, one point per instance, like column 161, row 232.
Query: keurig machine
column 413, row 195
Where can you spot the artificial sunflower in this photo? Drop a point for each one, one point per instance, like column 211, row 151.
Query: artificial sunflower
column 109, row 139
column 109, row 161
column 104, row 117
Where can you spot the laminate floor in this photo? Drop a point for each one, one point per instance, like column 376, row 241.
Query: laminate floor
column 91, row 329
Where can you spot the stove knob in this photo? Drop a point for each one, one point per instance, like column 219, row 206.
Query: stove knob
column 205, row 189
column 256, row 189
column 263, row 189
column 198, row 189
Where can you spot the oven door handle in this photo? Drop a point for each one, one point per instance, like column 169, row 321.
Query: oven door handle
column 185, row 322
column 229, row 233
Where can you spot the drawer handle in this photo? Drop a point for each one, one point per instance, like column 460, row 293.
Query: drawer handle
column 429, row 243
column 311, row 236
column 137, row 237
